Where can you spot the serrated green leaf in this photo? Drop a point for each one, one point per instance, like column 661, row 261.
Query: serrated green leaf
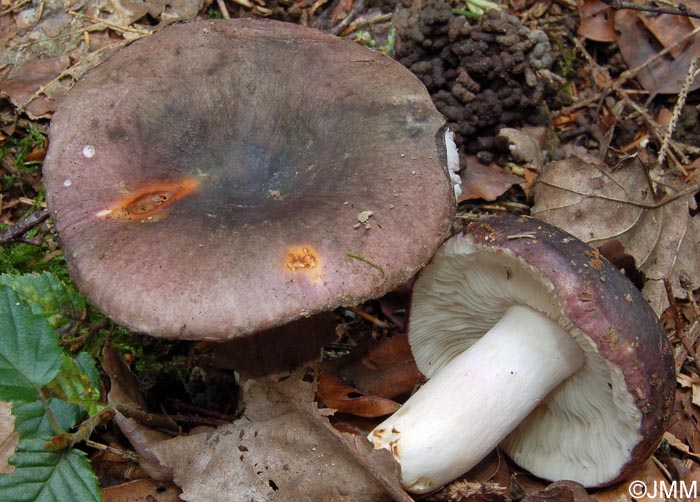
column 48, row 297
column 29, row 353
column 74, row 383
column 31, row 420
column 44, row 476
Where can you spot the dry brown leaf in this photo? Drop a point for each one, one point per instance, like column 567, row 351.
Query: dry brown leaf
column 597, row 204
column 21, row 85
column 597, row 21
column 685, row 420
column 141, row 490
column 344, row 398
column 487, row 182
column 8, row 437
column 561, row 491
column 643, row 36
column 282, row 449
column 124, row 389
column 525, row 145
column 383, row 368
column 677, row 444
column 64, row 31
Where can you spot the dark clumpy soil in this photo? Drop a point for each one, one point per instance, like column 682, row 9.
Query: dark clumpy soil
column 483, row 74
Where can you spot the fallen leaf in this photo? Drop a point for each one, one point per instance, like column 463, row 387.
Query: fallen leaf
column 124, row 389
column 141, row 490
column 561, row 491
column 63, row 31
column 596, row 21
column 643, row 36
column 676, row 443
column 487, row 182
column 282, row 449
column 8, row 437
column 525, row 145
column 684, row 420
column 344, row 398
column 20, row 86
column 596, row 203
column 383, row 368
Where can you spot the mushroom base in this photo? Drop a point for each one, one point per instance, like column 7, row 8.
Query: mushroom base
column 478, row 398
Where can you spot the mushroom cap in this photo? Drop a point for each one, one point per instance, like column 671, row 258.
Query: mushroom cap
column 607, row 418
column 206, row 182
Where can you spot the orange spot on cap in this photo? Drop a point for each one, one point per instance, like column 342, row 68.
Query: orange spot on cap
column 304, row 261
column 301, row 258
column 148, row 202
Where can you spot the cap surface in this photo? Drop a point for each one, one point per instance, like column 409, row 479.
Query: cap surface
column 609, row 416
column 206, row 182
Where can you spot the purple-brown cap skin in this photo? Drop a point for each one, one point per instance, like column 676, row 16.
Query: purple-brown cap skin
column 206, row 181
column 605, row 305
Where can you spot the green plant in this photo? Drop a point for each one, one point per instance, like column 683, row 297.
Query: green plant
column 476, row 8
column 51, row 390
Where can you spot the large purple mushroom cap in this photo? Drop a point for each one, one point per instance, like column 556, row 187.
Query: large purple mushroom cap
column 223, row 177
column 608, row 417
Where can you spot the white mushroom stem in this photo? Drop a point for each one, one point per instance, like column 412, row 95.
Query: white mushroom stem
column 478, row 398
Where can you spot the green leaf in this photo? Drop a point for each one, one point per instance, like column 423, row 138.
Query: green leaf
column 31, row 420
column 44, row 476
column 77, row 382
column 48, row 297
column 29, row 353
column 86, row 365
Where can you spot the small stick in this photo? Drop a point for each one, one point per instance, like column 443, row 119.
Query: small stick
column 358, row 7
column 369, row 317
column 126, row 454
column 16, row 232
column 223, row 9
column 113, row 26
column 681, row 10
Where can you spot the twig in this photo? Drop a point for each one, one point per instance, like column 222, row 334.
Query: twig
column 361, row 23
column 126, row 454
column 689, row 78
column 369, row 317
column 223, row 9
column 644, row 205
column 68, row 440
column 16, row 232
column 632, row 72
column 681, row 10
column 114, row 26
column 358, row 7
column 213, row 415
column 15, row 7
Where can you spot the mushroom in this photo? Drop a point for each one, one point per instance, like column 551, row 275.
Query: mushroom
column 534, row 342
column 205, row 182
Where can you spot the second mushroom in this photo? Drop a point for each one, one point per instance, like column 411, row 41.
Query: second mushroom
column 534, row 342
